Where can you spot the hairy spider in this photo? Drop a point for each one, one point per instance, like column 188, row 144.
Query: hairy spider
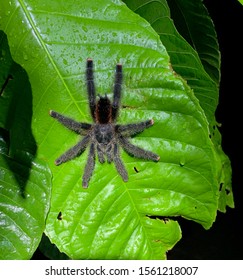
column 104, row 136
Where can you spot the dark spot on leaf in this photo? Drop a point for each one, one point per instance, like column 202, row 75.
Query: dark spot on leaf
column 227, row 191
column 59, row 216
column 135, row 169
column 182, row 162
column 221, row 186
column 129, row 107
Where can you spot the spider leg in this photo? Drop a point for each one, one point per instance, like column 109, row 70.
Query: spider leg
column 117, row 92
column 136, row 151
column 119, row 164
column 133, row 128
column 100, row 155
column 70, row 123
column 74, row 151
column 89, row 167
column 91, row 86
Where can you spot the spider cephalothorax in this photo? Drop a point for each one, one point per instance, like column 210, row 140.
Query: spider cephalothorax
column 104, row 136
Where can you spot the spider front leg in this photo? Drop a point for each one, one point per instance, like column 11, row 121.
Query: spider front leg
column 91, row 87
column 136, row 151
column 89, row 167
column 70, row 123
column 74, row 151
column 117, row 92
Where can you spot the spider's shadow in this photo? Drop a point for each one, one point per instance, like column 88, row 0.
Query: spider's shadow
column 16, row 139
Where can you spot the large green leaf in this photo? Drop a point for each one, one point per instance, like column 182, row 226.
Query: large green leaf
column 188, row 58
column 112, row 219
column 201, row 36
column 24, row 182
column 196, row 59
column 22, row 210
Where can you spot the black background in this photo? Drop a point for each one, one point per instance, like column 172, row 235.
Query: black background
column 225, row 239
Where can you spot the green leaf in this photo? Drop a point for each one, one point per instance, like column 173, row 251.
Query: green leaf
column 23, row 207
column 24, row 182
column 194, row 24
column 185, row 58
column 112, row 219
column 15, row 104
column 196, row 57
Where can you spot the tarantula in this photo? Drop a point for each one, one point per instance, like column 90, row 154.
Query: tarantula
column 104, row 136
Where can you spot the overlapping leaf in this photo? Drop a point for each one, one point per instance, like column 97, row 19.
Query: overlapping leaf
column 112, row 219
column 24, row 182
column 194, row 54
column 22, row 210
